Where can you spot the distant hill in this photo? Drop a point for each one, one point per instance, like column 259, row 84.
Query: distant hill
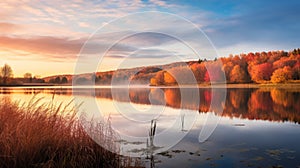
column 48, row 78
column 138, row 75
column 259, row 67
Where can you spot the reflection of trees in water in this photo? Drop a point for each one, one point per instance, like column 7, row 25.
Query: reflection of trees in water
column 173, row 97
column 275, row 105
column 62, row 91
column 265, row 104
column 57, row 91
column 33, row 90
column 282, row 97
column 236, row 104
column 5, row 91
column 272, row 105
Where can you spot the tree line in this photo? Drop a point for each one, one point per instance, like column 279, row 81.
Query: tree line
column 7, row 77
column 259, row 67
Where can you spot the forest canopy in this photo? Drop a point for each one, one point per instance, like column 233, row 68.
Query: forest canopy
column 259, row 67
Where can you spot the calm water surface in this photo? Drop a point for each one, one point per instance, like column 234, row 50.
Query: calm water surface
column 257, row 128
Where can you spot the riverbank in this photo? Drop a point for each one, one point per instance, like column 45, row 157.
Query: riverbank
column 294, row 85
column 291, row 84
column 254, row 85
column 27, row 84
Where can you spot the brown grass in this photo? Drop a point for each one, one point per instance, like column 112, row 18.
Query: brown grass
column 43, row 135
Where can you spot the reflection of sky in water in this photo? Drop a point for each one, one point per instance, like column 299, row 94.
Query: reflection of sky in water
column 236, row 142
column 258, row 143
column 133, row 127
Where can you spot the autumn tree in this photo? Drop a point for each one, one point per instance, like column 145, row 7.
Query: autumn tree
column 296, row 70
column 258, row 67
column 261, row 72
column 238, row 75
column 206, row 77
column 64, row 80
column 227, row 68
column 281, row 75
column 199, row 71
column 284, row 61
column 278, row 76
column 169, row 79
column 214, row 73
column 28, row 76
column 183, row 75
column 153, row 82
column 6, row 73
column 158, row 79
column 57, row 79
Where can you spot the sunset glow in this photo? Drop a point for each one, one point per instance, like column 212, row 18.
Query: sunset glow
column 45, row 37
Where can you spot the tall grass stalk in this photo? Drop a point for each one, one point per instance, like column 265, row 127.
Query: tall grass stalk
column 37, row 134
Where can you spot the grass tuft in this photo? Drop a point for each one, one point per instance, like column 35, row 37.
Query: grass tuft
column 38, row 134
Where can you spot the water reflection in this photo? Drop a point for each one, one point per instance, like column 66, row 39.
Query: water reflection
column 254, row 104
column 264, row 104
column 270, row 104
column 5, row 91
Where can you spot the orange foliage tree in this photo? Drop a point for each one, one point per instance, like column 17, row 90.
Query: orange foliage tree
column 169, row 79
column 158, row 79
column 238, row 75
column 256, row 67
column 281, row 75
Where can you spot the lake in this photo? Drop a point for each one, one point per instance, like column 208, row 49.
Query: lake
column 255, row 127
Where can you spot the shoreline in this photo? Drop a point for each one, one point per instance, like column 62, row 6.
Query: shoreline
column 240, row 85
column 294, row 85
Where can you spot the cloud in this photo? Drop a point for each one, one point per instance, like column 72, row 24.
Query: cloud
column 7, row 28
column 141, row 54
column 57, row 29
column 152, row 54
column 148, row 39
column 265, row 23
column 59, row 48
column 158, row 2
column 84, row 24
column 45, row 47
column 37, row 29
column 162, row 3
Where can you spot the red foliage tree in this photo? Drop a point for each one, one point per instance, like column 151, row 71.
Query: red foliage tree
column 199, row 71
column 296, row 70
column 261, row 72
column 214, row 73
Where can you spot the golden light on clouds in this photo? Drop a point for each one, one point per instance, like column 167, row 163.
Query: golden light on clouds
column 36, row 35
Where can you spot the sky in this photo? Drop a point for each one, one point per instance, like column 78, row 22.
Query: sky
column 45, row 37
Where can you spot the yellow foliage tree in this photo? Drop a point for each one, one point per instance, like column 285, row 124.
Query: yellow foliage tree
column 153, row 81
column 158, row 79
column 281, row 75
column 237, row 75
column 169, row 79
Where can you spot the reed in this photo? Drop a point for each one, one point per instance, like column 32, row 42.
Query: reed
column 38, row 134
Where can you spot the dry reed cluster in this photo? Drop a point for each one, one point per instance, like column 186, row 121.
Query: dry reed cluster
column 46, row 135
